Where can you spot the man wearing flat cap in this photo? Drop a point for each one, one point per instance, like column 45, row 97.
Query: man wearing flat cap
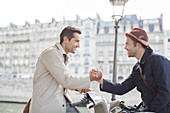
column 151, row 74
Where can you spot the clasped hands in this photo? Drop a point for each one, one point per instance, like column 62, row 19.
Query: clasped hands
column 96, row 75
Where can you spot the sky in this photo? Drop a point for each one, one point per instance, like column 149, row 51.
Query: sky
column 19, row 11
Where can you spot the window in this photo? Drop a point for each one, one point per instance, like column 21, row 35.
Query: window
column 120, row 58
column 86, row 62
column 87, row 26
column 86, row 52
column 33, row 69
column 121, row 40
column 86, row 70
column 100, row 40
column 151, row 27
column 1, row 56
column 26, row 55
column 77, row 53
column 41, row 25
column 76, row 70
column 101, row 68
column 1, row 47
column 22, row 46
column 87, row 35
column 120, row 69
column 26, row 62
column 22, row 55
column 7, row 63
column 120, row 49
column 35, row 45
column 169, row 40
column 14, row 71
column 33, row 63
column 21, row 62
column 110, row 49
column 110, row 70
column 101, row 31
column 27, row 47
column 157, row 28
column 1, row 39
column 157, row 49
column 100, row 61
column 16, row 48
column 168, row 47
column 25, row 70
column 15, row 63
column 124, row 28
column 1, row 64
column 127, row 69
column 156, row 39
column 49, row 24
column 86, row 43
column 7, row 71
column 7, row 55
column 100, row 50
column 111, row 60
column 7, row 47
column 111, row 40
column 16, row 55
column 106, row 30
column 33, row 54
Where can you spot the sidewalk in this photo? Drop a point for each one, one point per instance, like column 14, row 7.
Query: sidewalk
column 21, row 90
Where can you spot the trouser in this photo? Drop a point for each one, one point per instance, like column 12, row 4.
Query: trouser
column 70, row 109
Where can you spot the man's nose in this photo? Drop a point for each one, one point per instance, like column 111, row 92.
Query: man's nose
column 125, row 47
column 78, row 45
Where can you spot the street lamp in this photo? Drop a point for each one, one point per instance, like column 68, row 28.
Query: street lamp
column 118, row 10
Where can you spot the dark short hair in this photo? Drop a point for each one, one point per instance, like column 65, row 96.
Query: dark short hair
column 69, row 33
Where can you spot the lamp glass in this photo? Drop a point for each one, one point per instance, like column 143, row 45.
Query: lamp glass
column 118, row 8
column 118, row 2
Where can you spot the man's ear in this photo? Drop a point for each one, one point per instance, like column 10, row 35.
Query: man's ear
column 139, row 45
column 65, row 39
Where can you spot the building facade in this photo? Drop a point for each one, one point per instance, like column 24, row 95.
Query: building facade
column 167, row 44
column 20, row 46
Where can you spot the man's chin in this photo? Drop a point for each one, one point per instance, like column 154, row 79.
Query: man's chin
column 129, row 55
column 73, row 52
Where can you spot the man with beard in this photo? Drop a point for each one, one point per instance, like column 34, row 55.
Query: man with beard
column 151, row 74
column 52, row 78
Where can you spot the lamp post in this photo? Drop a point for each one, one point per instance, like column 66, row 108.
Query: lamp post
column 118, row 10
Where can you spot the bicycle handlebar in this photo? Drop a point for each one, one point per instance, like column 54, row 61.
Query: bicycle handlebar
column 84, row 101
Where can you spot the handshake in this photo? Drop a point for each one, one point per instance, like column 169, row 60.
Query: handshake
column 96, row 75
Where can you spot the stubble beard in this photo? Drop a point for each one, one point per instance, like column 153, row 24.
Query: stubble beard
column 132, row 53
column 72, row 50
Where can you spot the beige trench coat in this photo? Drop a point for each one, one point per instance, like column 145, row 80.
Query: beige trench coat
column 51, row 78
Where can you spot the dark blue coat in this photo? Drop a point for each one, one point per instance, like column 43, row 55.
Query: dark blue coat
column 156, row 71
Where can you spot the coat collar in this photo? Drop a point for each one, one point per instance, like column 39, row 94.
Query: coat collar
column 146, row 55
column 144, row 58
column 58, row 45
column 66, row 57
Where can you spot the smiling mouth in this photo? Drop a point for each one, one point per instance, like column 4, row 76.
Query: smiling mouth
column 75, row 48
